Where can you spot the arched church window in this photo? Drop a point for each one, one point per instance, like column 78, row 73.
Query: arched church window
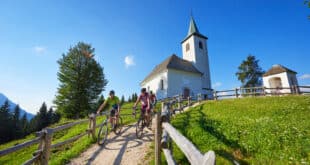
column 187, row 47
column 200, row 45
column 161, row 84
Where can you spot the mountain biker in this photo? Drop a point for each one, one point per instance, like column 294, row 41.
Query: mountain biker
column 145, row 103
column 113, row 102
column 153, row 100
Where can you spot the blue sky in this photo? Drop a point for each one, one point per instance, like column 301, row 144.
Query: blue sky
column 34, row 34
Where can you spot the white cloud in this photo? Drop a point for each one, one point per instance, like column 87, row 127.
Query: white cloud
column 217, row 84
column 305, row 76
column 129, row 61
column 39, row 50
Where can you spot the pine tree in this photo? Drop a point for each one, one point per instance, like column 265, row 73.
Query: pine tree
column 6, row 123
column 81, row 81
column 122, row 100
column 50, row 115
column 24, row 125
column 129, row 99
column 42, row 117
column 250, row 73
column 17, row 129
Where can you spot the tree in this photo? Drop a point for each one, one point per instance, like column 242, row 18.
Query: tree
column 129, row 99
column 307, row 2
column 43, row 119
column 250, row 73
column 52, row 116
column 81, row 81
column 6, row 123
column 17, row 129
column 24, row 125
column 122, row 100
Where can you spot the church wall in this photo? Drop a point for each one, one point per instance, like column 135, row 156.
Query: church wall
column 155, row 85
column 178, row 80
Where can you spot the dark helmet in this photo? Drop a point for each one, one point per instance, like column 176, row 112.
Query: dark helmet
column 112, row 92
column 143, row 90
column 151, row 92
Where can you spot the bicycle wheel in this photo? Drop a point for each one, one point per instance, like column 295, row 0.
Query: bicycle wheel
column 103, row 133
column 139, row 128
column 118, row 127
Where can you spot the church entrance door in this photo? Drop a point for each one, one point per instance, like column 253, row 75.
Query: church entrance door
column 186, row 92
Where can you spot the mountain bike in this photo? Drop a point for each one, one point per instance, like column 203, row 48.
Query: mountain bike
column 141, row 123
column 113, row 122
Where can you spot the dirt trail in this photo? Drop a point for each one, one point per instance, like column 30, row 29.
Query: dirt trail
column 123, row 149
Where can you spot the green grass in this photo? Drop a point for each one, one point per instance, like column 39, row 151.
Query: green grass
column 61, row 155
column 265, row 130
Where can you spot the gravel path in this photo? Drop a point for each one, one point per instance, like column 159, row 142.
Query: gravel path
column 124, row 149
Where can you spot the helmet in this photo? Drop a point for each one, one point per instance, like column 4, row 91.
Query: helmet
column 143, row 90
column 151, row 92
column 112, row 92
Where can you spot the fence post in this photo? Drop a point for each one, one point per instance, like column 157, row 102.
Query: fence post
column 179, row 102
column 297, row 89
column 236, row 92
column 92, row 124
column 158, row 137
column 188, row 101
column 264, row 91
column 47, row 141
column 215, row 95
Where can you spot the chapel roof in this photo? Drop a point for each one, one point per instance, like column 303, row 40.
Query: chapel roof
column 173, row 62
column 276, row 69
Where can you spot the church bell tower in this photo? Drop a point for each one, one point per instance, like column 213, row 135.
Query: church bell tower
column 194, row 48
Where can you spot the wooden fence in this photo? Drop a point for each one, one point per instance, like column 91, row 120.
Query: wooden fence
column 260, row 91
column 165, row 133
column 44, row 139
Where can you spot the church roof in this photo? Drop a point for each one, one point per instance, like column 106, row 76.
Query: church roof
column 173, row 62
column 193, row 30
column 276, row 69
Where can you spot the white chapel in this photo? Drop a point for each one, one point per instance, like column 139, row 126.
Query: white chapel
column 189, row 75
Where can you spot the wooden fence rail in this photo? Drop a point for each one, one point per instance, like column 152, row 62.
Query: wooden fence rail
column 260, row 91
column 44, row 138
column 165, row 133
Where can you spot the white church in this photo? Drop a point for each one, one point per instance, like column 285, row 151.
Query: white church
column 189, row 75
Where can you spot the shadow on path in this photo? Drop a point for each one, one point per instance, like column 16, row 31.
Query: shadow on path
column 97, row 152
column 126, row 140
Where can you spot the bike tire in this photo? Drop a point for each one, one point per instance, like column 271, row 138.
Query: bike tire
column 118, row 128
column 103, row 134
column 139, row 128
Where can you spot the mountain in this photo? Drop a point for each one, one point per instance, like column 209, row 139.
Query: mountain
column 3, row 98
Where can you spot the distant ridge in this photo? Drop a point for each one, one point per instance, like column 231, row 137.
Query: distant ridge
column 3, row 98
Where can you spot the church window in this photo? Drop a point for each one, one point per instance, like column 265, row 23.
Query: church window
column 187, row 47
column 161, row 84
column 200, row 45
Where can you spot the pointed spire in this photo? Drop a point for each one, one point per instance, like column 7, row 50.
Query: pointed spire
column 193, row 30
column 192, row 27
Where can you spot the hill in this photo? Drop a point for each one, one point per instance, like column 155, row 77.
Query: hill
column 61, row 155
column 3, row 98
column 266, row 130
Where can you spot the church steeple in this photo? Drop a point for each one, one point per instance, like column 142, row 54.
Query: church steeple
column 192, row 27
column 195, row 50
column 193, row 30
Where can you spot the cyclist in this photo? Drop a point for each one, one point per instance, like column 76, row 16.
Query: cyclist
column 145, row 104
column 153, row 101
column 114, row 103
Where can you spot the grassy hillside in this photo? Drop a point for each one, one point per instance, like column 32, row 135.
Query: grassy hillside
column 63, row 154
column 270, row 130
